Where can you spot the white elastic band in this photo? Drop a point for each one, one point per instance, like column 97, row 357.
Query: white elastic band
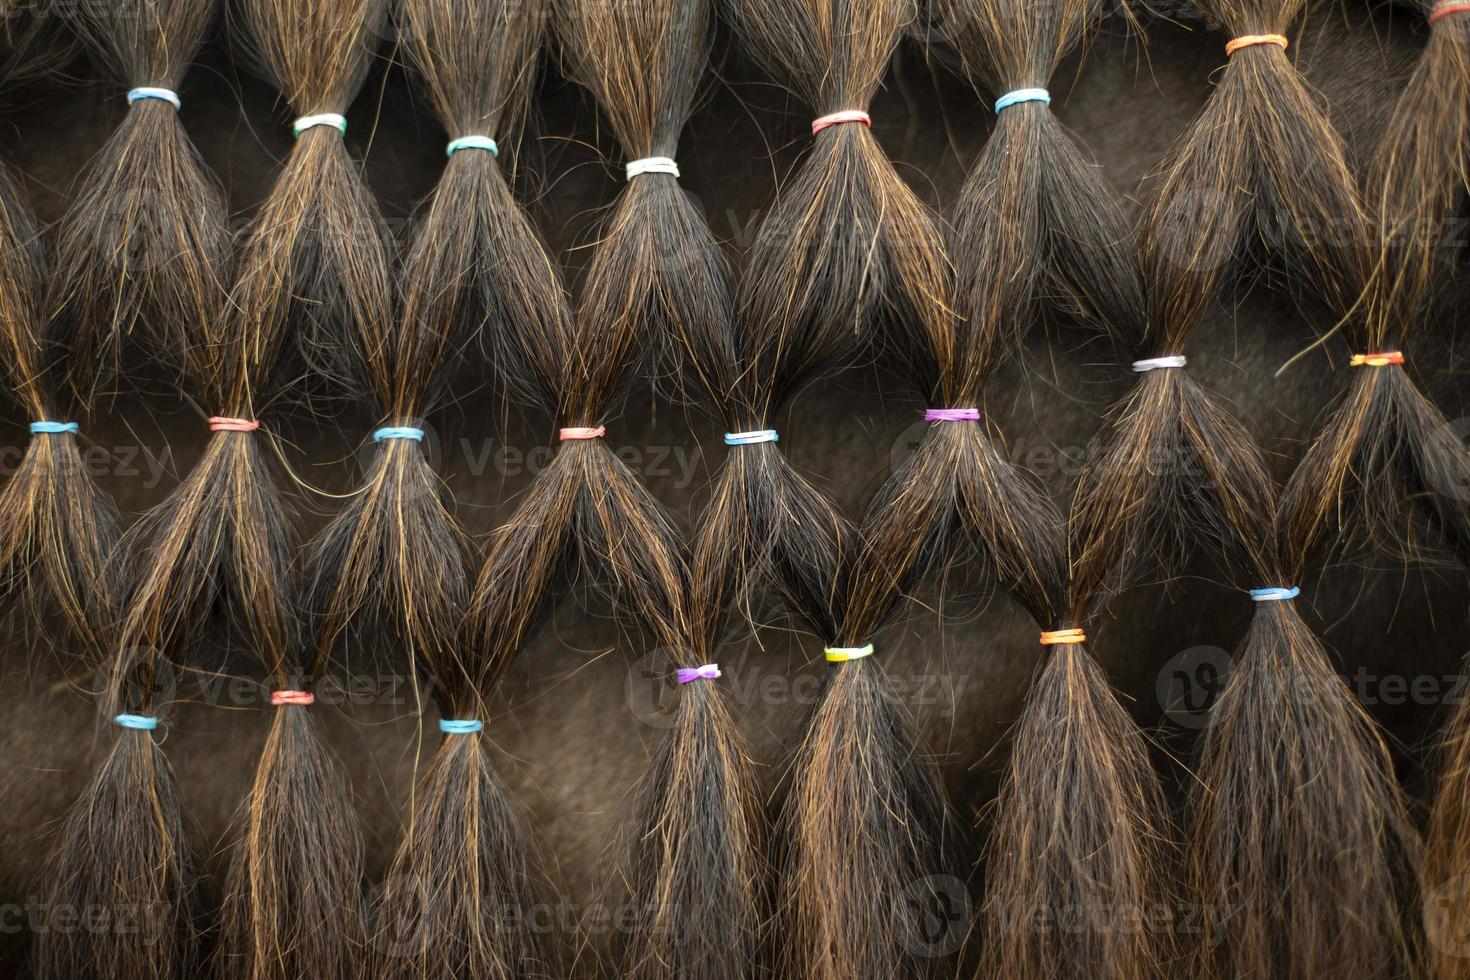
column 153, row 92
column 1154, row 363
column 652, row 165
column 752, row 438
column 334, row 119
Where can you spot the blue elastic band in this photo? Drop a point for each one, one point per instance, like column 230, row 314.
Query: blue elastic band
column 472, row 143
column 460, row 726
column 751, row 438
column 399, row 432
column 1275, row 594
column 52, row 428
column 142, row 723
column 1022, row 95
column 152, row 92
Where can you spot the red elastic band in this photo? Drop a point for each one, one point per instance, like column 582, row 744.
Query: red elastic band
column 220, row 423
column 845, row 116
column 582, row 432
column 279, row 698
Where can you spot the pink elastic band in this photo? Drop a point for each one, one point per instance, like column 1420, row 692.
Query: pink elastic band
column 582, row 432
column 1445, row 9
column 279, row 698
column 219, row 423
column 845, row 116
column 952, row 415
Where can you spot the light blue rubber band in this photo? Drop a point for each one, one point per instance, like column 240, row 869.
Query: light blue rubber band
column 1275, row 594
column 1022, row 95
column 153, row 92
column 752, row 438
column 141, row 723
column 53, row 428
column 399, row 432
column 460, row 726
column 472, row 143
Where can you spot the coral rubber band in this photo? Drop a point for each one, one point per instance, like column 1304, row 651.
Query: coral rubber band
column 1381, row 359
column 837, row 118
column 1445, row 9
column 579, row 432
column 1253, row 40
column 303, row 698
column 219, row 423
column 1052, row 638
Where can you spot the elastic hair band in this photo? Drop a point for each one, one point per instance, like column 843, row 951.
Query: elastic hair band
column 140, row 723
column 460, row 726
column 579, row 432
column 151, row 92
column 1383, row 359
column 303, row 698
column 838, row 655
column 472, row 143
column 1445, row 9
column 1275, row 594
column 1156, row 363
column 836, row 118
column 651, row 165
column 333, row 119
column 1052, row 638
column 220, row 423
column 52, row 428
column 752, row 438
column 688, row 675
column 951, row 415
column 399, row 432
column 1251, row 40
column 1022, row 95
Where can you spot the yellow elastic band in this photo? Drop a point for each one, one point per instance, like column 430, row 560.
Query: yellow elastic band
column 1057, row 637
column 837, row 655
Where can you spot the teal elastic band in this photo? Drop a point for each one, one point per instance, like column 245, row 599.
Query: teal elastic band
column 1275, row 594
column 141, row 723
column 472, row 143
column 460, row 726
column 399, row 432
column 1022, row 95
column 751, row 438
column 153, row 92
column 52, row 428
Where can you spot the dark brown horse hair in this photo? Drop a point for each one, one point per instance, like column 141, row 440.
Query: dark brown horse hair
column 32, row 41
column 847, row 257
column 697, row 863
column 211, row 565
column 57, row 528
column 1415, row 182
column 1298, row 829
column 124, row 850
column 142, row 249
column 1080, row 819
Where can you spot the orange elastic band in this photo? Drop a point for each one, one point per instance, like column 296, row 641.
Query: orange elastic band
column 1251, row 40
column 1383, row 359
column 845, row 116
column 219, row 423
column 279, row 698
column 1051, row 638
column 583, row 432
column 1445, row 9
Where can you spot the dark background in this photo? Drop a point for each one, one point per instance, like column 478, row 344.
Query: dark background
column 578, row 717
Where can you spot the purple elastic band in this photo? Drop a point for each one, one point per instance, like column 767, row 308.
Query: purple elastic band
column 952, row 415
column 688, row 675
